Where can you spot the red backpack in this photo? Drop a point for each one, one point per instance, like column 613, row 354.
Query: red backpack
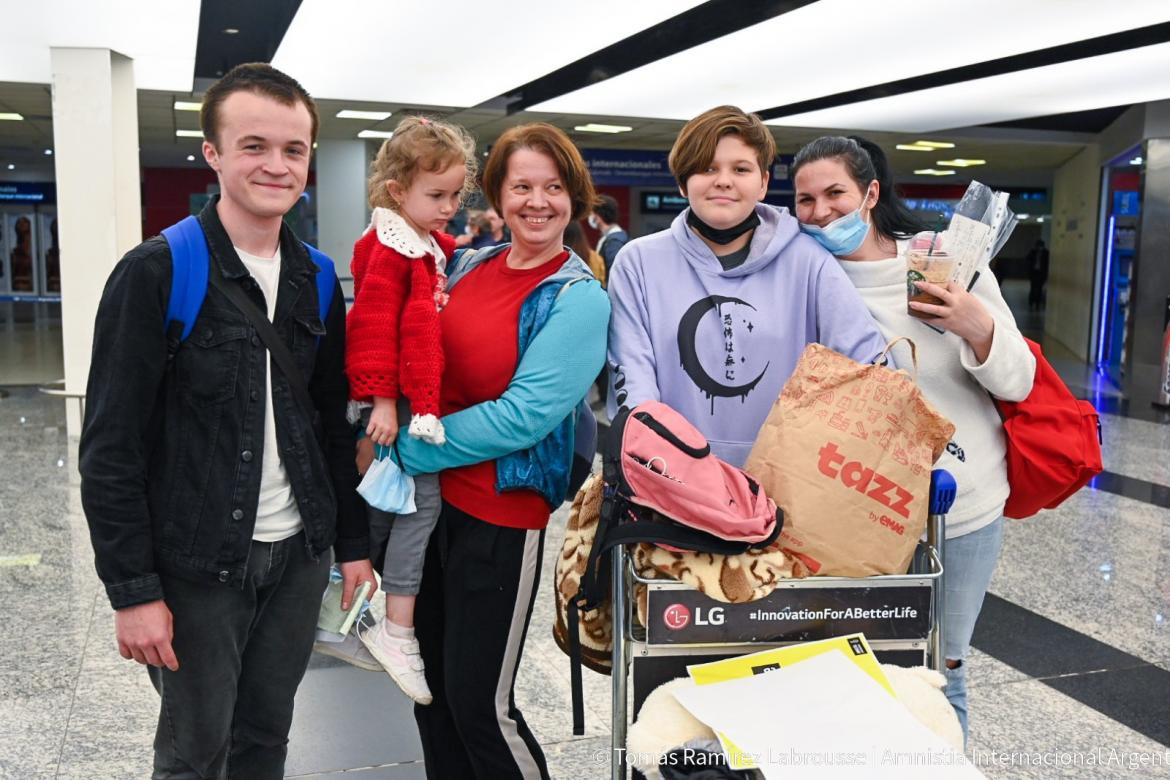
column 1053, row 443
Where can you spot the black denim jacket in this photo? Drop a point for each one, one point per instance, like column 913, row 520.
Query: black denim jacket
column 171, row 450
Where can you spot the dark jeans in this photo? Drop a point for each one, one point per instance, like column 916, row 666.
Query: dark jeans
column 242, row 653
column 471, row 618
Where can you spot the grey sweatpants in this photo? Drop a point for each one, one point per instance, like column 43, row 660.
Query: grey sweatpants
column 408, row 534
column 408, row 537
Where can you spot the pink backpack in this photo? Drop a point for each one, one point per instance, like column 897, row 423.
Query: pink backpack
column 664, row 487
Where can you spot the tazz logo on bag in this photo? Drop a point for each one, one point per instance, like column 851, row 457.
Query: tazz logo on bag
column 676, row 617
column 885, row 491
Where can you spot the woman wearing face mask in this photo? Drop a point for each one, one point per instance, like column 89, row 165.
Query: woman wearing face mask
column 845, row 200
column 711, row 315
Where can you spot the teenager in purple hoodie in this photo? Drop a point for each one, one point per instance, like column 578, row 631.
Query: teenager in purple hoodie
column 711, row 315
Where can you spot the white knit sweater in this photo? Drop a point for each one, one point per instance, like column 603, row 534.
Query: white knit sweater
column 957, row 385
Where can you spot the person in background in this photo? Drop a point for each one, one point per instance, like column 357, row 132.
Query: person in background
column 1037, row 274
column 523, row 337
column 972, row 350
column 605, row 219
column 480, row 231
column 497, row 228
column 712, row 315
column 575, row 240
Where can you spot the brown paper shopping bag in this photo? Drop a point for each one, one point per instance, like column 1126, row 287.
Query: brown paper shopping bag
column 846, row 452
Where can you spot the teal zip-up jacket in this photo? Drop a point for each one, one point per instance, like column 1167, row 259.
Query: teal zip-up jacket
column 529, row 429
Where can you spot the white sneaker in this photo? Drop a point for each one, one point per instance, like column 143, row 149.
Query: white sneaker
column 400, row 658
column 351, row 650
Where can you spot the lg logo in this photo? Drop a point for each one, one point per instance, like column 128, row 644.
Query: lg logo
column 678, row 616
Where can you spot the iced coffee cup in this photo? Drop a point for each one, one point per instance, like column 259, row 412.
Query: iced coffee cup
column 922, row 265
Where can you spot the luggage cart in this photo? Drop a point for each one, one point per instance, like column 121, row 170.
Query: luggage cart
column 900, row 615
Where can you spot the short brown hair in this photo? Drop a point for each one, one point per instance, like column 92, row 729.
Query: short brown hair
column 258, row 77
column 546, row 139
column 694, row 149
column 418, row 144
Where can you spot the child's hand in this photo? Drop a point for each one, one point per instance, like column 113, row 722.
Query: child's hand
column 383, row 427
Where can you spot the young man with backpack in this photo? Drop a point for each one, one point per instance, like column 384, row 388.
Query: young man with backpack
column 216, row 462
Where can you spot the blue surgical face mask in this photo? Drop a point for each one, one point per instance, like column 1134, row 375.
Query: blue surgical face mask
column 844, row 235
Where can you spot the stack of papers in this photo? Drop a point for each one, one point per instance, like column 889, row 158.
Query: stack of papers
column 822, row 717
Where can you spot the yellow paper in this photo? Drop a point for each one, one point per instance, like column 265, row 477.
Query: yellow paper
column 755, row 663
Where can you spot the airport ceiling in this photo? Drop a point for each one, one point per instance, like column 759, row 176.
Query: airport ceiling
column 1021, row 85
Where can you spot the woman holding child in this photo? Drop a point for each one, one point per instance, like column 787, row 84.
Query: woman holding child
column 522, row 338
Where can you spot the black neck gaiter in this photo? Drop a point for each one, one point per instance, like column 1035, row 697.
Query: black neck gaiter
column 725, row 235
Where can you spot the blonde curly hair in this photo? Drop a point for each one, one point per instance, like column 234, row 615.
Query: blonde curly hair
column 418, row 144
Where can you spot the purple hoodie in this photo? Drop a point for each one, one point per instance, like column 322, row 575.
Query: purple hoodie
column 719, row 345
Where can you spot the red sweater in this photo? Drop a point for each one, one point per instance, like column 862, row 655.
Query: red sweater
column 480, row 341
column 392, row 343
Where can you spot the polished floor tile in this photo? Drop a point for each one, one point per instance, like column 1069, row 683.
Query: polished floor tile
column 109, row 690
column 347, row 717
column 1099, row 564
column 31, row 350
column 411, row 771
column 1136, row 448
column 1030, row 730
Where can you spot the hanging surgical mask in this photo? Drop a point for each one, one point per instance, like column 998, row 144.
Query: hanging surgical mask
column 592, row 221
column 844, row 235
column 386, row 486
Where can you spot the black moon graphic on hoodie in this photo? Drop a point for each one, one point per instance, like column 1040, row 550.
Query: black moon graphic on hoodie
column 688, row 328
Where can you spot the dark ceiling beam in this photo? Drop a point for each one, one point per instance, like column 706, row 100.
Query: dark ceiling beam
column 1092, row 47
column 1092, row 121
column 693, row 27
column 261, row 27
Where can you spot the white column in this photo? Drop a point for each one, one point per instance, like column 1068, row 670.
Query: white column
column 342, row 211
column 99, row 202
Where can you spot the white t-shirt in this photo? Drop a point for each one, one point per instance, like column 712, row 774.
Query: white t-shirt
column 277, row 516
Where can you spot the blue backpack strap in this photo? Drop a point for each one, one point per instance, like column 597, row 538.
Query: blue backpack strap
column 326, row 278
column 189, row 264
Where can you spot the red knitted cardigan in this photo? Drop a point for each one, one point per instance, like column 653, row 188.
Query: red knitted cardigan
column 392, row 343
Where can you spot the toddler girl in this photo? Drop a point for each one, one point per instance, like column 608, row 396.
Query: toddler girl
column 394, row 356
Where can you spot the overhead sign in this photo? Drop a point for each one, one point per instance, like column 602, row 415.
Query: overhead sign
column 649, row 168
column 628, row 167
column 28, row 192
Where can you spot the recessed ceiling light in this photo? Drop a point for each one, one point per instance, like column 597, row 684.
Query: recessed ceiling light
column 190, row 158
column 376, row 116
column 1136, row 161
column 959, row 162
column 1022, row 217
column 49, row 152
column 932, row 172
column 189, row 133
column 1039, row 219
column 914, row 148
column 935, row 144
column 375, row 134
column 11, row 167
column 11, row 117
column 594, row 127
column 231, row 31
column 187, row 105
